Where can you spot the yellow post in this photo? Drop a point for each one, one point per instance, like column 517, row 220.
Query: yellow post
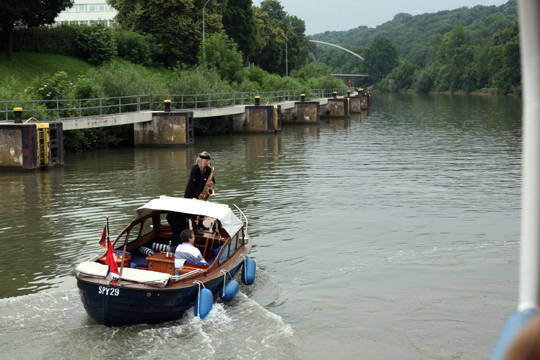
column 276, row 117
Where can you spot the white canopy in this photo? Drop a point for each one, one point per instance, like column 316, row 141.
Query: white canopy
column 222, row 212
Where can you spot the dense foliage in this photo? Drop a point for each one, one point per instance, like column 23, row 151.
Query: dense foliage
column 467, row 49
column 250, row 49
column 27, row 13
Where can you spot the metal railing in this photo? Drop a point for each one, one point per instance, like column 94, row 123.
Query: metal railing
column 74, row 108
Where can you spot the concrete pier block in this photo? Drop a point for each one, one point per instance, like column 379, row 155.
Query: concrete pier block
column 31, row 146
column 336, row 108
column 305, row 112
column 355, row 104
column 165, row 129
column 366, row 100
column 261, row 119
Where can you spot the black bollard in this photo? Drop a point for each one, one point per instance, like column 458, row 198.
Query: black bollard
column 18, row 115
column 167, row 105
column 257, row 100
column 335, row 95
column 302, row 97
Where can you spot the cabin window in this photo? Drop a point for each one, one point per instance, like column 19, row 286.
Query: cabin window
column 163, row 223
column 224, row 254
column 147, row 227
column 241, row 239
column 234, row 244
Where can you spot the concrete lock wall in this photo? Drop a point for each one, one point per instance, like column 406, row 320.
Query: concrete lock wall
column 355, row 104
column 365, row 100
column 19, row 147
column 260, row 119
column 11, row 146
column 305, row 112
column 166, row 129
column 31, row 146
column 337, row 108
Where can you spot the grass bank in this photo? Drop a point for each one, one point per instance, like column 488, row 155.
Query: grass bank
column 24, row 67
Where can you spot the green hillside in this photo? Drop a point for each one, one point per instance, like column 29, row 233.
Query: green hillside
column 24, row 67
column 412, row 35
column 470, row 49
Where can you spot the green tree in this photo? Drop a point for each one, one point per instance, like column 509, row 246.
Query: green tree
column 270, row 40
column 505, row 63
column 403, row 75
column 239, row 24
column 281, row 42
column 176, row 24
column 297, row 45
column 96, row 43
column 454, row 57
column 274, row 9
column 312, row 70
column 221, row 54
column 381, row 57
column 27, row 13
column 135, row 47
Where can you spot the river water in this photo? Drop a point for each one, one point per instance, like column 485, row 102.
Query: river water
column 390, row 235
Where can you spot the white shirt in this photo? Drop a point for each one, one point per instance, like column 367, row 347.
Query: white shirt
column 186, row 251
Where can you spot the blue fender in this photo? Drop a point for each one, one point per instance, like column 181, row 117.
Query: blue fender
column 229, row 290
column 248, row 271
column 203, row 303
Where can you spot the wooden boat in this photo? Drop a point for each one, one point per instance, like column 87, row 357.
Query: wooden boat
column 149, row 289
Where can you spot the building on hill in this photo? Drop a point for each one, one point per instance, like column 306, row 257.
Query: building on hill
column 85, row 12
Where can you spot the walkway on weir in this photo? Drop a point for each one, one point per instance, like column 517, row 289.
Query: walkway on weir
column 113, row 111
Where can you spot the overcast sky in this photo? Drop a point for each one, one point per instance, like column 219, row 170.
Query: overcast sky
column 328, row 15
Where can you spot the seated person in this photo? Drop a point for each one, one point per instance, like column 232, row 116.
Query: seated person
column 187, row 251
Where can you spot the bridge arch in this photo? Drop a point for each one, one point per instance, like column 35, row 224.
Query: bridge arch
column 339, row 47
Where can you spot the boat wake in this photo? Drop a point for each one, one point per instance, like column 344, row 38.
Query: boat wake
column 53, row 325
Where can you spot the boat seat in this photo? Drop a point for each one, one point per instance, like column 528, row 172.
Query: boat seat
column 138, row 260
column 216, row 252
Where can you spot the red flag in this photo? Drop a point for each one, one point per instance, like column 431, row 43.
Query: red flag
column 111, row 263
column 103, row 237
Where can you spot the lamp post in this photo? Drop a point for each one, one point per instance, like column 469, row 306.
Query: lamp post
column 203, row 34
column 287, row 52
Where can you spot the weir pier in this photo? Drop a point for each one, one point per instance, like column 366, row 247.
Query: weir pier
column 37, row 144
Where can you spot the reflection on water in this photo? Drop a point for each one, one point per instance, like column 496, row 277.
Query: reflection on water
column 392, row 232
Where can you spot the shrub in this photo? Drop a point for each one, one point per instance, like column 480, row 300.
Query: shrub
column 96, row 43
column 136, row 48
column 125, row 79
column 311, row 70
column 221, row 53
column 276, row 83
column 10, row 89
column 60, row 40
column 197, row 80
column 324, row 82
column 57, row 86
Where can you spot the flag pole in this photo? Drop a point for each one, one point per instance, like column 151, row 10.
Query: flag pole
column 123, row 257
column 107, row 230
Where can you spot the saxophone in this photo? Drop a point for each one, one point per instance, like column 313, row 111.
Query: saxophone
column 207, row 191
